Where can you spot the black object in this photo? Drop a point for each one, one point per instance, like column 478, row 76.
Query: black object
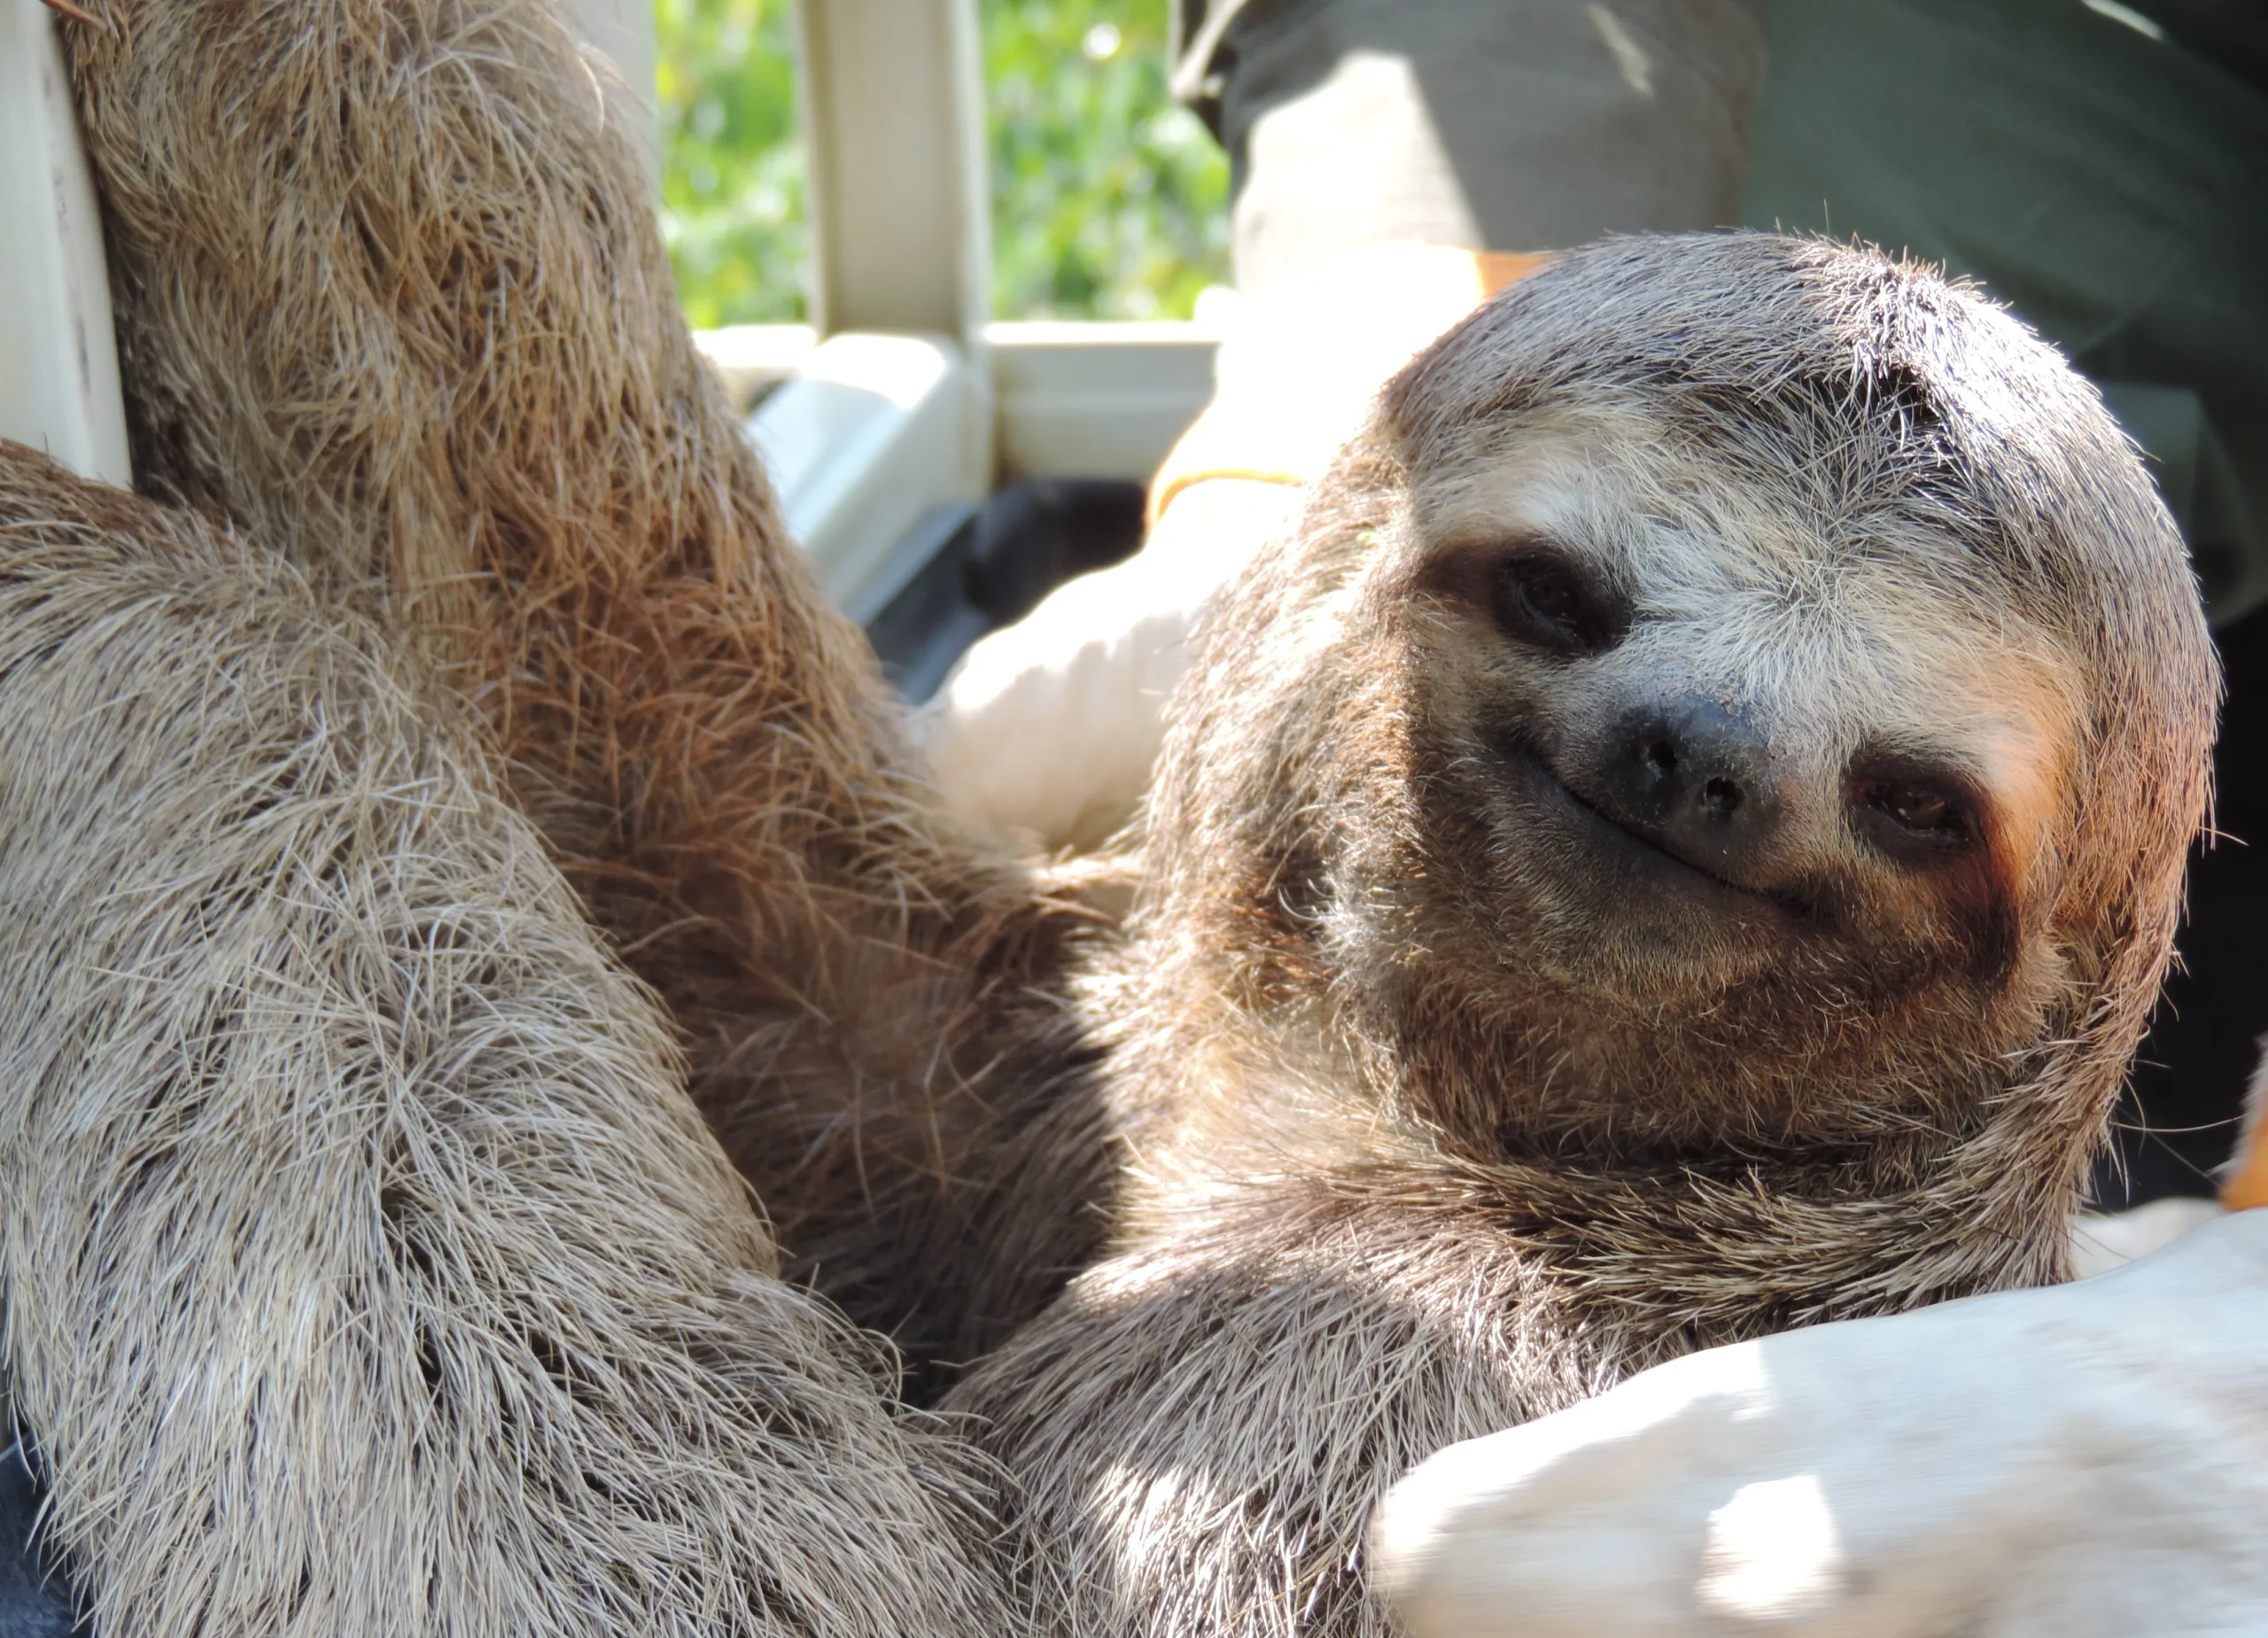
column 2178, row 1120
column 33, row 1603
column 966, row 571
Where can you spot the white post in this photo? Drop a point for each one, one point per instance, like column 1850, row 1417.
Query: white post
column 58, row 355
column 893, row 116
column 893, row 108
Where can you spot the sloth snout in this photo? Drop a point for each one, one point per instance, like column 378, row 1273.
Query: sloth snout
column 1697, row 782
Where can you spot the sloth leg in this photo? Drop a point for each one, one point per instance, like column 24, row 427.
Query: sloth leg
column 1198, row 1432
column 391, row 295
column 365, row 1269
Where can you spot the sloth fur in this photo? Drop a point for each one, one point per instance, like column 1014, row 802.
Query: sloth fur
column 366, row 1269
column 1419, row 1097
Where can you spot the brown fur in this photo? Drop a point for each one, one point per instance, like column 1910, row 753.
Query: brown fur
column 1425, row 1132
column 391, row 295
column 366, row 1269
column 1443, row 1113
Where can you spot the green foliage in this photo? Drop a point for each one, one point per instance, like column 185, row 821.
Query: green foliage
column 733, row 189
column 1107, row 200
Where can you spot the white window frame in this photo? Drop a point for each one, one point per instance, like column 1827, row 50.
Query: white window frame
column 866, row 438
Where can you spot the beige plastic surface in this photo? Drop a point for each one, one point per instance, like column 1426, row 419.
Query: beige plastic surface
column 892, row 105
column 58, row 357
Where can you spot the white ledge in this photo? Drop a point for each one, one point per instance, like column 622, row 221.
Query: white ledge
column 871, row 435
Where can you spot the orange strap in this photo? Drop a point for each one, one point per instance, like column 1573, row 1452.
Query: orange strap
column 2246, row 1184
column 1500, row 268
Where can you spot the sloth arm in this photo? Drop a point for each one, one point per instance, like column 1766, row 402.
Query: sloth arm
column 1198, row 1428
column 366, row 1269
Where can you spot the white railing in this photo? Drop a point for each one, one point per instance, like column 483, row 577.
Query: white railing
column 869, row 436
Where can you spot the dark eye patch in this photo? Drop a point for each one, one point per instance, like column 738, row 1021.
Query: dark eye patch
column 1544, row 595
column 1934, row 818
column 1915, row 810
column 1924, row 808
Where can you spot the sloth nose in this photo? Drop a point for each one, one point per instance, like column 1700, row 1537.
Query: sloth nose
column 1696, row 782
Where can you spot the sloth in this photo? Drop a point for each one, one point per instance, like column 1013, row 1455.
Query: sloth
column 1680, row 841
column 365, row 1265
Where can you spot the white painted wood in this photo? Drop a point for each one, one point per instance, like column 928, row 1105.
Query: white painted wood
column 892, row 110
column 1096, row 399
column 870, row 438
column 1071, row 399
column 915, row 399
column 58, row 355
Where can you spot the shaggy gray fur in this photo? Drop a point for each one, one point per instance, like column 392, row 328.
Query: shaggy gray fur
column 366, row 1269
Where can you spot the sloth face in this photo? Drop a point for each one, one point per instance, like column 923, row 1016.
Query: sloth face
column 1734, row 685
column 1682, row 748
column 1706, row 717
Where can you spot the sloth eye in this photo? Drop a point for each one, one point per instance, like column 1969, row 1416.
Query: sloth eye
column 1916, row 807
column 1919, row 809
column 1544, row 598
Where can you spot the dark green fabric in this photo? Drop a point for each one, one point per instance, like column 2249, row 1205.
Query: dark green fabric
column 2097, row 170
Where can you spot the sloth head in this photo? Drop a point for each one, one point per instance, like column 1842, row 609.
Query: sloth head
column 1736, row 686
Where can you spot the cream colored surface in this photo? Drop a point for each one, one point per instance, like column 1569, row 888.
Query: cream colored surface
column 2087, row 1461
column 2101, row 1242
column 58, row 362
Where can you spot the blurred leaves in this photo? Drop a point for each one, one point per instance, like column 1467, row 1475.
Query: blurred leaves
column 732, row 189
column 1107, row 200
